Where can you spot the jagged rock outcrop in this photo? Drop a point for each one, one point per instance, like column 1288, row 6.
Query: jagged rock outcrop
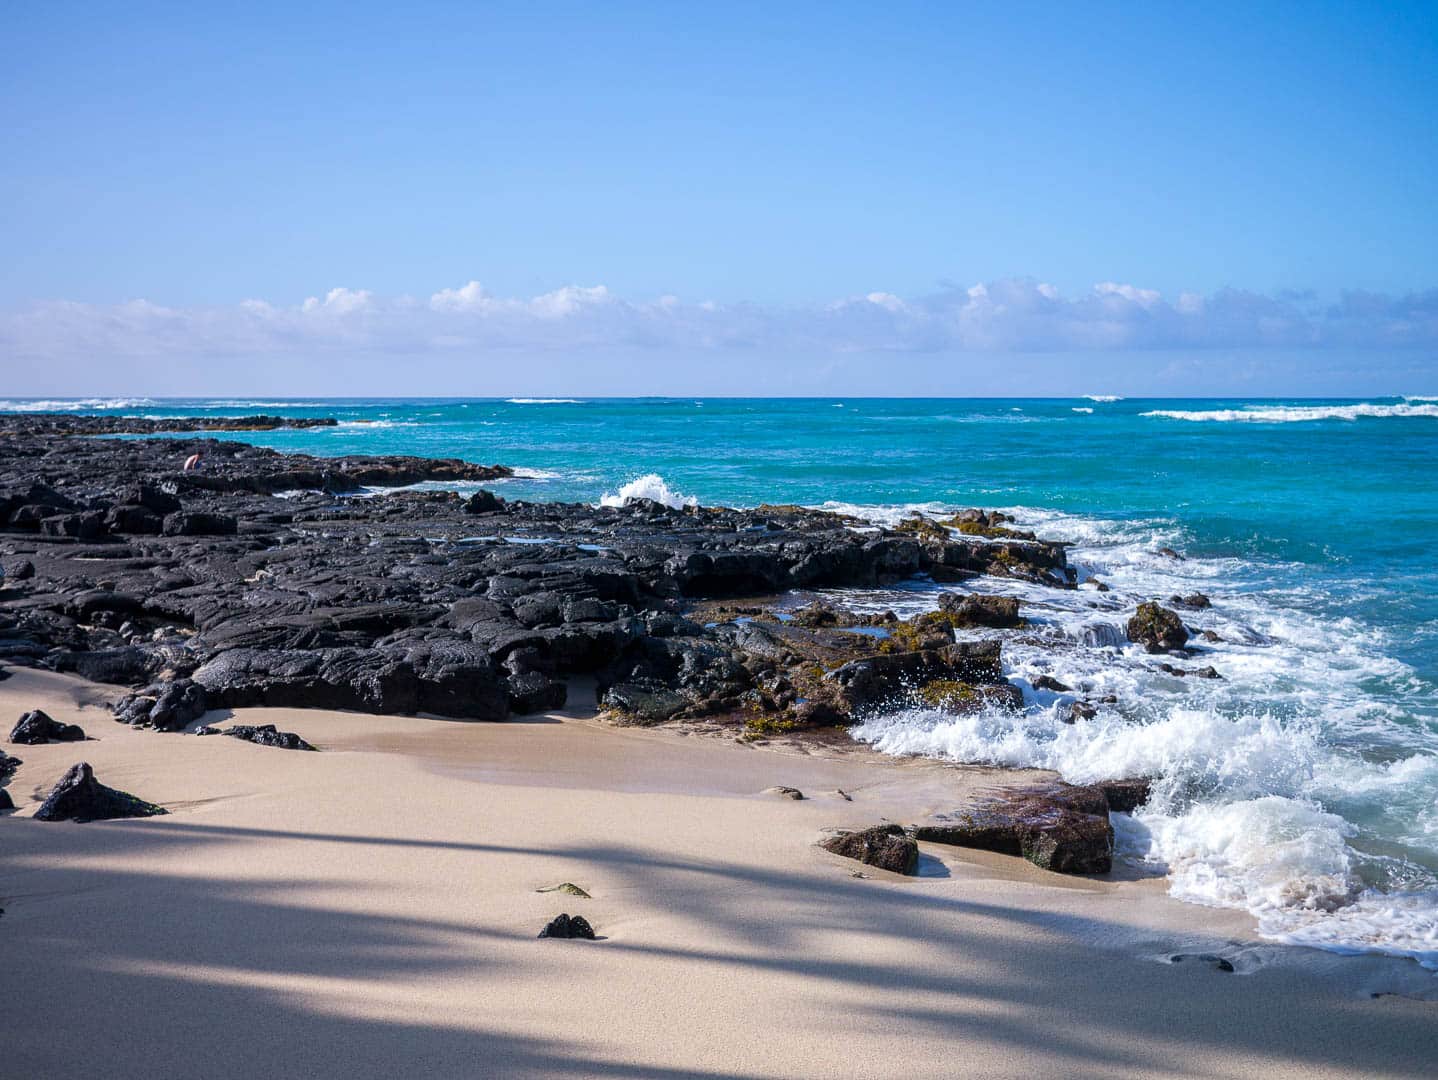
column 167, row 706
column 79, row 796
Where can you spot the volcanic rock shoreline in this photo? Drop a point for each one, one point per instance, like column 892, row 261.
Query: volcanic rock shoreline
column 202, row 589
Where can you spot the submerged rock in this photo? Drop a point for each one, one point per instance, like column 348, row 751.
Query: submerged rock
column 1218, row 963
column 1157, row 629
column 1193, row 601
column 568, row 926
column 784, row 792
column 80, row 797
column 1058, row 827
column 887, row 847
column 36, row 727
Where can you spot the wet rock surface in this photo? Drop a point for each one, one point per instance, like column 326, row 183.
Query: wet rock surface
column 1157, row 629
column 886, row 847
column 79, row 796
column 1059, row 827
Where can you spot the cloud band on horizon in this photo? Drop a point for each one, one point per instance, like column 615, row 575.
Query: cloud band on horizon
column 1010, row 315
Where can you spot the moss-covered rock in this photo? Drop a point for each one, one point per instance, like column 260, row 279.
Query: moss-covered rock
column 886, row 847
column 1157, row 628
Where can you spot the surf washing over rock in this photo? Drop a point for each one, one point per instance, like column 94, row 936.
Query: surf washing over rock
column 1266, row 796
column 652, row 487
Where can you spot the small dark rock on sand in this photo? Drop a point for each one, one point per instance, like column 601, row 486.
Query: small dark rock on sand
column 261, row 735
column 887, row 847
column 166, row 706
column 6, row 803
column 568, row 926
column 37, row 727
column 568, row 888
column 80, row 797
column 8, row 765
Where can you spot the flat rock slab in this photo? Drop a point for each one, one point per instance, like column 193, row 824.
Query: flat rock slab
column 1058, row 827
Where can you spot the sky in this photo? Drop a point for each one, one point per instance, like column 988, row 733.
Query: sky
column 676, row 198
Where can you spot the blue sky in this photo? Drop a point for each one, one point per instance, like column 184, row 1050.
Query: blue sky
column 667, row 183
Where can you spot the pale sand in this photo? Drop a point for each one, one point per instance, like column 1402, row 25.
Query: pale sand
column 370, row 911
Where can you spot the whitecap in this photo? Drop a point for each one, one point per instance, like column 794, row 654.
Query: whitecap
column 1288, row 414
column 543, row 401
column 1080, row 409
column 1103, row 398
column 27, row 405
column 650, row 486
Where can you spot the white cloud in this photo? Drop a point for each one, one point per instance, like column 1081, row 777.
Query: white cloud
column 1006, row 315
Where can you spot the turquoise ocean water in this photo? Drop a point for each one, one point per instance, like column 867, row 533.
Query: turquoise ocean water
column 1303, row 786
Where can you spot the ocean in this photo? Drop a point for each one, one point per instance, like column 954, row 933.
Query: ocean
column 1301, row 787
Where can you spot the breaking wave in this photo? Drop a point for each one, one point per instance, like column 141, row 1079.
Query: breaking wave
column 1289, row 414
column 650, row 486
column 1263, row 799
column 74, row 404
column 543, row 401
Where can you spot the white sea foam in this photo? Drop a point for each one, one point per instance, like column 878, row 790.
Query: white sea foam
column 1289, row 414
column 535, row 474
column 544, row 401
column 1260, row 801
column 1082, row 409
column 1104, row 398
column 74, row 404
column 650, row 486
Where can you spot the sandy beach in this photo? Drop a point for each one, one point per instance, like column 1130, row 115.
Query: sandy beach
column 372, row 910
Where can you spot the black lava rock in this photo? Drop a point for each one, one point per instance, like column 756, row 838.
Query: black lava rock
column 37, row 727
column 80, row 797
column 568, row 926
column 264, row 735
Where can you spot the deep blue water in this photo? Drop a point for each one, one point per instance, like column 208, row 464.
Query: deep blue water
column 1303, row 787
